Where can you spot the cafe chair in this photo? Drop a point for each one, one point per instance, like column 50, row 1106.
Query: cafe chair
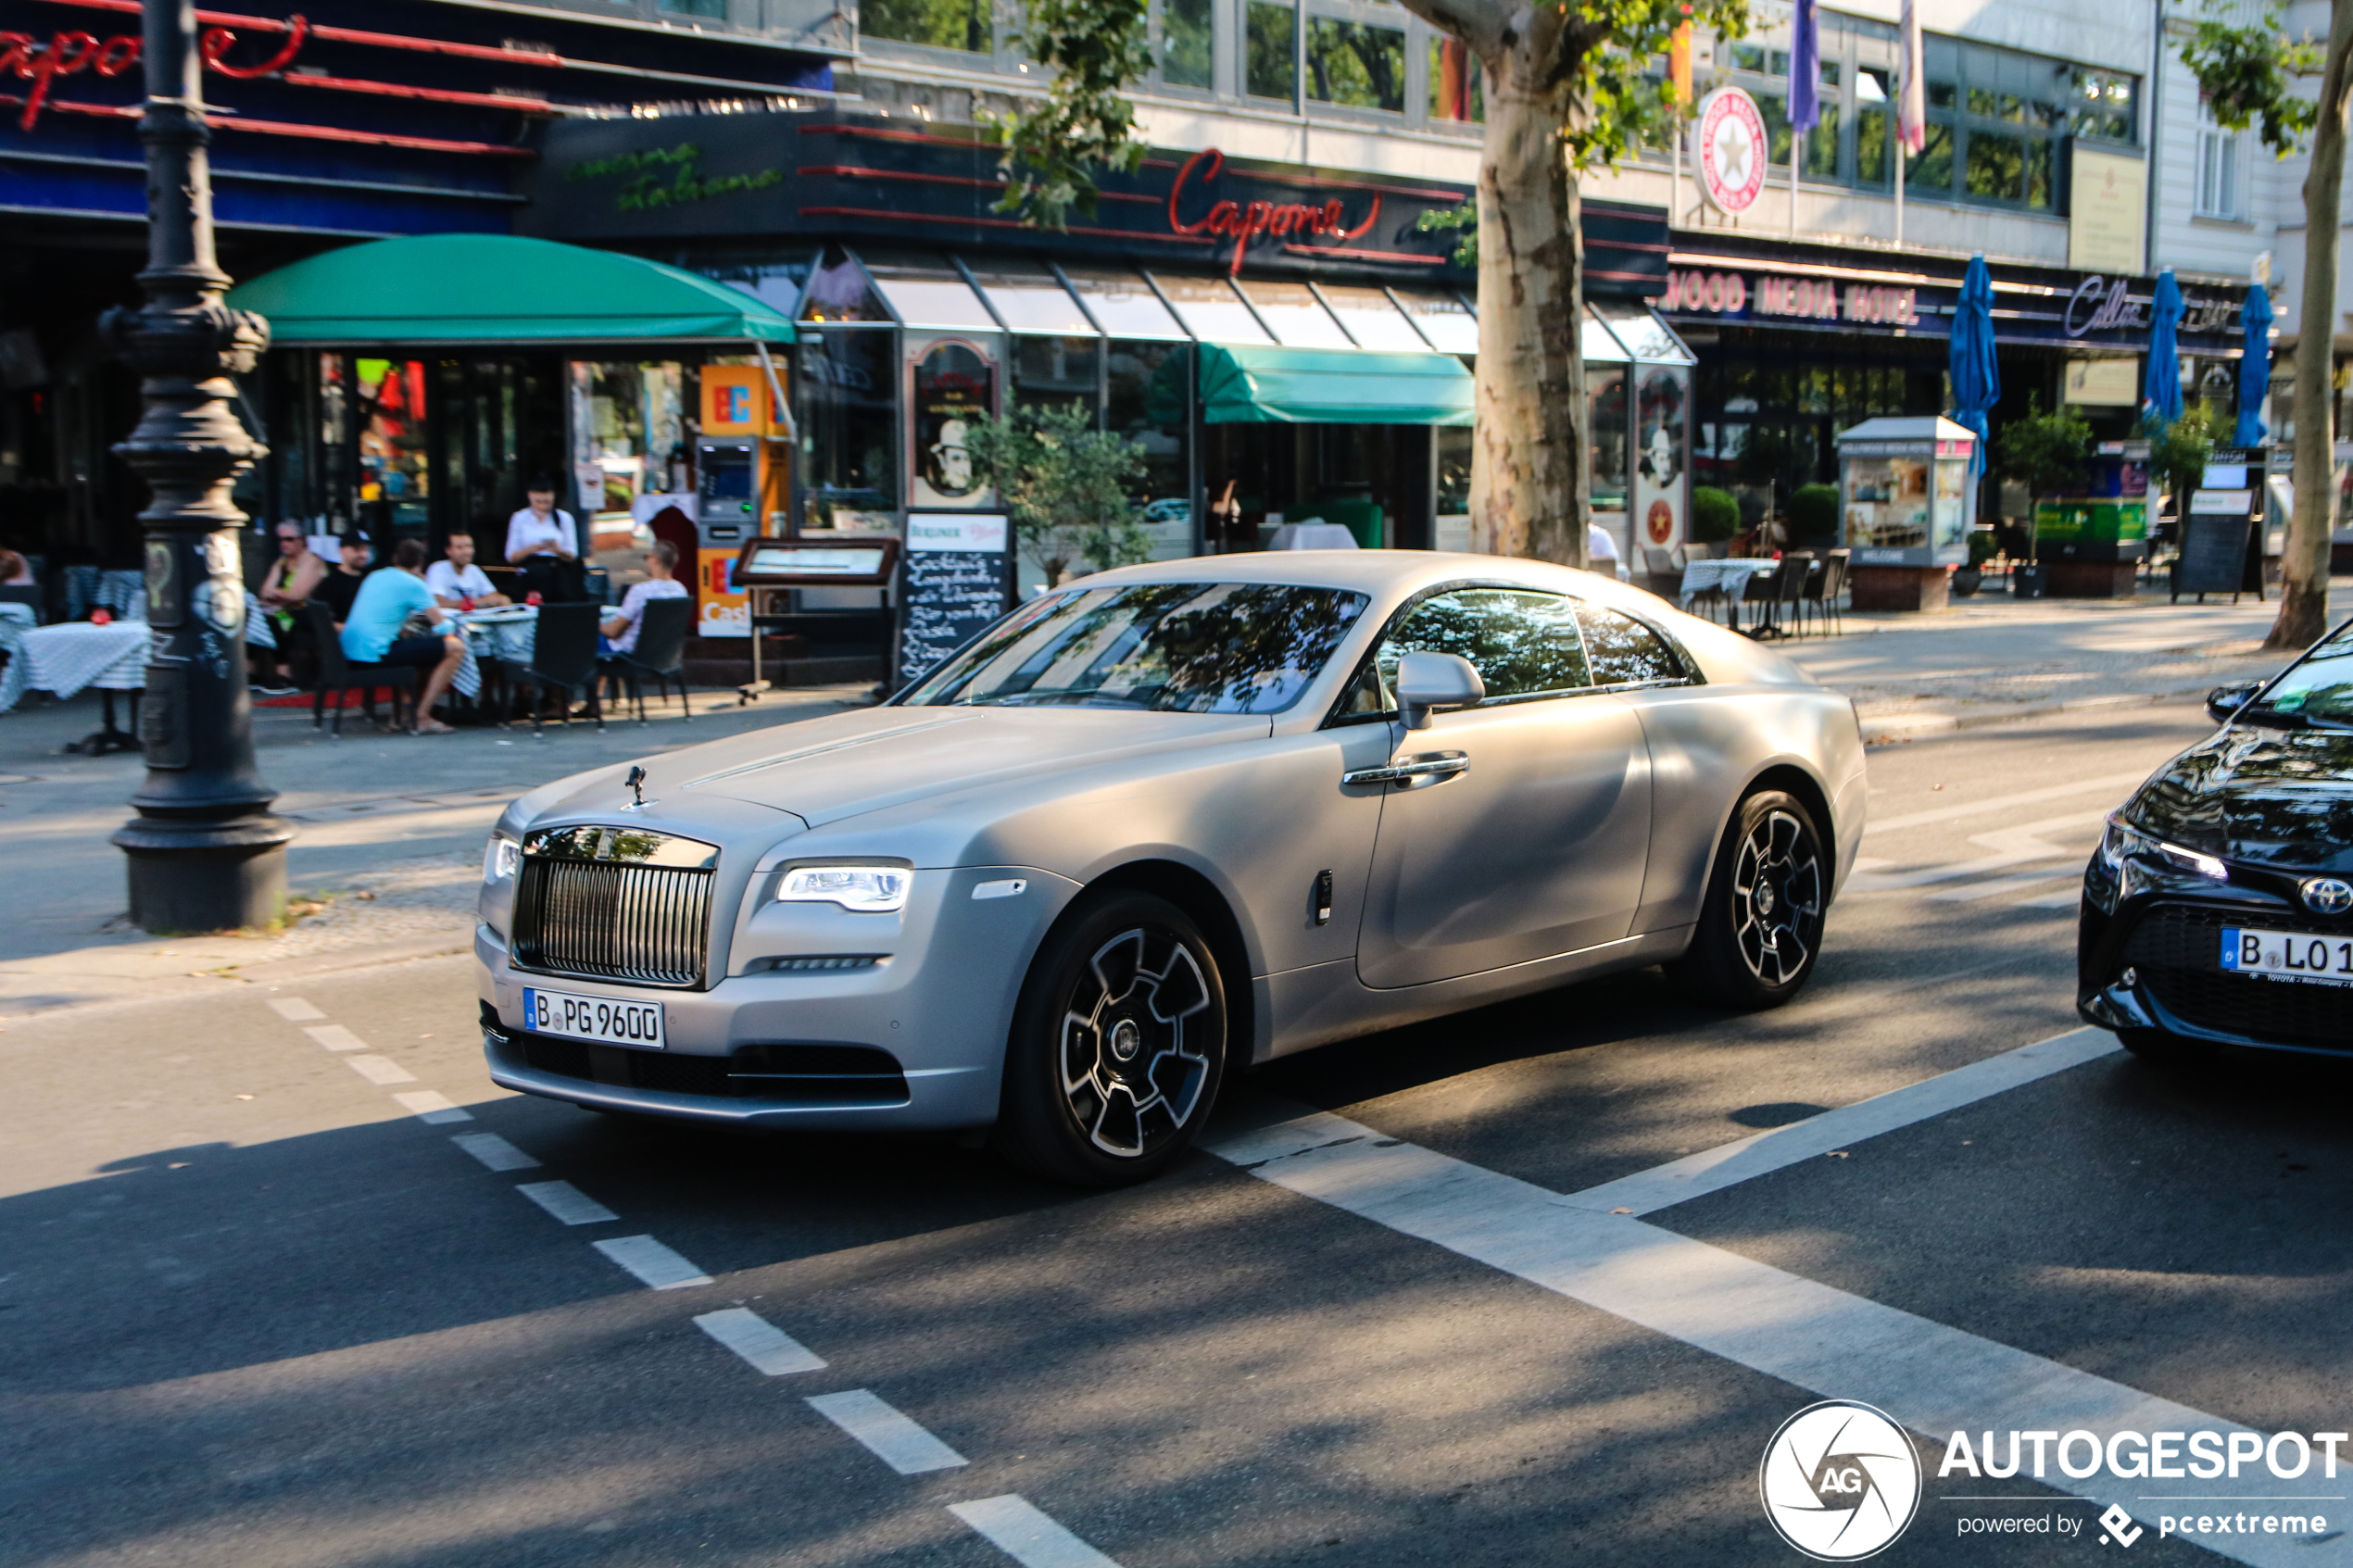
column 1824, row 589
column 563, row 659
column 342, row 677
column 659, row 656
column 28, row 594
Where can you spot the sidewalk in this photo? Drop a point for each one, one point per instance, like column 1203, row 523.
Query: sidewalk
column 384, row 866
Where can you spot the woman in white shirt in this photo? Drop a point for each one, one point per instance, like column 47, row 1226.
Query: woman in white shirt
column 545, row 543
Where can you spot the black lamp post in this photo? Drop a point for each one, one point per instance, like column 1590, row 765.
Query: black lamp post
column 205, row 852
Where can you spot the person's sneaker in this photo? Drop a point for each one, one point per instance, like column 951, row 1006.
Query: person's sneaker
column 276, row 691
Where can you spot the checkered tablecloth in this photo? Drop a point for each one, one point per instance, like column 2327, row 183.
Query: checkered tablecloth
column 507, row 634
column 15, row 622
column 1734, row 575
column 66, row 658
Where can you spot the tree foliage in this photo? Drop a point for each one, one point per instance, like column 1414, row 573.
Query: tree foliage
column 2178, row 452
column 2248, row 74
column 1065, row 485
column 2043, row 452
column 1053, row 149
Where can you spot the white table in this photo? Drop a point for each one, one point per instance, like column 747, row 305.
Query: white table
column 15, row 622
column 1734, row 575
column 71, row 657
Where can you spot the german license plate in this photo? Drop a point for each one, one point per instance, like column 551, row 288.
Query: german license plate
column 594, row 1018
column 2288, row 955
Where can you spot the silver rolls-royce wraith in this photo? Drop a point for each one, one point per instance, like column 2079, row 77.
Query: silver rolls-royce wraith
column 1159, row 824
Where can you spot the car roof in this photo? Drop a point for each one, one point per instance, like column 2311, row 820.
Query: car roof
column 1377, row 572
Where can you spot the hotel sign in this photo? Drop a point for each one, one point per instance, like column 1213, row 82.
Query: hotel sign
column 1813, row 299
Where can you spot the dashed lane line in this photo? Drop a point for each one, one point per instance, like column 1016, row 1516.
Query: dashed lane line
column 1997, row 887
column 379, row 1070
column 432, row 1106
column 761, row 1344
column 495, row 1151
column 656, row 1266
column 1026, row 1534
column 567, row 1203
column 335, row 1037
column 294, row 1009
column 891, row 1437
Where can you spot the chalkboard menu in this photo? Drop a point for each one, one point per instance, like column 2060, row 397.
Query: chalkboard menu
column 2213, row 550
column 958, row 579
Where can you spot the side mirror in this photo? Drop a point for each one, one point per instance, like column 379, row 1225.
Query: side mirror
column 2223, row 703
column 1428, row 682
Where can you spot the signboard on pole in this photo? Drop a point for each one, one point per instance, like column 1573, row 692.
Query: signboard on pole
column 959, row 576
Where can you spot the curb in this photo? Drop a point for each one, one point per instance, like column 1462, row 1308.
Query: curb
column 1895, row 730
column 274, row 969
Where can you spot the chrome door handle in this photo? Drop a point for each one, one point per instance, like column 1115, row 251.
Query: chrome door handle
column 1430, row 766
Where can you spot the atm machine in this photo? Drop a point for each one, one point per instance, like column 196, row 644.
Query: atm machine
column 743, row 467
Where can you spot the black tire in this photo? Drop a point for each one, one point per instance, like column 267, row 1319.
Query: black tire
column 1118, row 1044
column 2169, row 1050
column 1760, row 923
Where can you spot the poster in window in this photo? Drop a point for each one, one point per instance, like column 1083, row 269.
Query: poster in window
column 954, row 386
column 1660, row 452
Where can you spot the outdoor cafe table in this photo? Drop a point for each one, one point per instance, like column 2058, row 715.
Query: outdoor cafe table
column 69, row 657
column 1734, row 575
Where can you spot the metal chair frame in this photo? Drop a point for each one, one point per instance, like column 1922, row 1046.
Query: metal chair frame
column 341, row 676
column 661, row 654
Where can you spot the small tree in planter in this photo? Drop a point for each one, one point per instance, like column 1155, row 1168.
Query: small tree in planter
column 1065, row 485
column 1715, row 515
column 1813, row 515
column 2178, row 452
column 2043, row 452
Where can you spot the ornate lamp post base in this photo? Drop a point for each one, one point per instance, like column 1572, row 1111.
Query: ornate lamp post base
column 206, row 876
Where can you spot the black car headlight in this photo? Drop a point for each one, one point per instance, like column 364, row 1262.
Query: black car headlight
column 2125, row 847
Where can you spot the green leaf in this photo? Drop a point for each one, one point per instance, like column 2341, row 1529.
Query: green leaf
column 1054, row 148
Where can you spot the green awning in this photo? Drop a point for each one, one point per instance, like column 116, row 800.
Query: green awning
column 1243, row 384
column 498, row 288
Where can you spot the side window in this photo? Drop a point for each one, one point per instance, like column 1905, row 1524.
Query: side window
column 1522, row 643
column 1624, row 650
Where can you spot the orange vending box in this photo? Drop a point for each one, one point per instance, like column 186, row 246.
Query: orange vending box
column 743, row 488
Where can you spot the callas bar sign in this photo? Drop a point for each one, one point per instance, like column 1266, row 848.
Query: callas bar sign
column 1248, row 223
column 69, row 54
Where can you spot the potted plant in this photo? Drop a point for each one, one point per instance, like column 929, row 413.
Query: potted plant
column 1716, row 516
column 1065, row 485
column 2178, row 456
column 2045, row 453
column 1967, row 579
column 1813, row 517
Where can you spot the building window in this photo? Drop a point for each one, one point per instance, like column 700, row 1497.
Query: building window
column 2217, row 168
column 1458, row 82
column 1997, row 119
column 1270, row 68
column 942, row 24
column 714, row 8
column 1355, row 66
column 1187, row 39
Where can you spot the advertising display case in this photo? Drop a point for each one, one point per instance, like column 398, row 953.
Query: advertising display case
column 1906, row 502
column 2094, row 540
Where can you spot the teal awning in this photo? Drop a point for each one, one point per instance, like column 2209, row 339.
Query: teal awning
column 1242, row 385
column 498, row 288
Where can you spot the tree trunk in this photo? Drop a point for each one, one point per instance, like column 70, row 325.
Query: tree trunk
column 2304, row 586
column 1530, row 484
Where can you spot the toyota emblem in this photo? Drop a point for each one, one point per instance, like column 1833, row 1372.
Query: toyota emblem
column 2328, row 896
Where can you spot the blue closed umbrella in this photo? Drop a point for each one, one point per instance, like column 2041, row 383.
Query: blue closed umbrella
column 2162, row 388
column 2255, row 367
column 1977, row 380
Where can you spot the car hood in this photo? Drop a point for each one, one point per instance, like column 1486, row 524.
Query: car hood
column 824, row 769
column 2278, row 797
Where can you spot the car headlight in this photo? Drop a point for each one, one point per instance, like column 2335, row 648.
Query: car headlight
column 865, row 889
column 499, row 857
column 2123, row 840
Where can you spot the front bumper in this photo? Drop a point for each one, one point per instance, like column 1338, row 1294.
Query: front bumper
column 2168, row 941
column 940, row 1007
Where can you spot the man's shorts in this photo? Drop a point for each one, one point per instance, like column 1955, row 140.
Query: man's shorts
column 422, row 652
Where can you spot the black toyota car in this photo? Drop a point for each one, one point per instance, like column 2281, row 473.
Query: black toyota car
column 2218, row 907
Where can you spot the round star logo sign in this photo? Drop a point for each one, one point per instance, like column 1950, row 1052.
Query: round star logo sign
column 1728, row 150
column 1840, row 1481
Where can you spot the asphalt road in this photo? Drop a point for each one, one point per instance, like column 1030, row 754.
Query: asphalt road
column 256, row 1311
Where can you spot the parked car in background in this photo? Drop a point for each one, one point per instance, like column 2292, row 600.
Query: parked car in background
column 2218, row 907
column 1161, row 824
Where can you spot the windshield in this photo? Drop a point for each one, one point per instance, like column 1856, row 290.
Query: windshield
column 2319, row 689
column 1185, row 647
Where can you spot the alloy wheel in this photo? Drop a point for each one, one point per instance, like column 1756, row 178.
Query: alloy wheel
column 1134, row 1061
column 1777, row 898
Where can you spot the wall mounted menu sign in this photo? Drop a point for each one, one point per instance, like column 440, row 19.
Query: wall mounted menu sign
column 958, row 579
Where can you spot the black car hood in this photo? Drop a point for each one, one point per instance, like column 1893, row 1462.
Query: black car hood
column 2280, row 798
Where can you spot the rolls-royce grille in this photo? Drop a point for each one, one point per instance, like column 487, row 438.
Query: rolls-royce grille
column 2178, row 952
column 615, row 904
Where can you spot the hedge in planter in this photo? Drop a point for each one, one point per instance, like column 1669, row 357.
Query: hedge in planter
column 1715, row 515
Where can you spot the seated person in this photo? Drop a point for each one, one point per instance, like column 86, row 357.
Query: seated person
column 336, row 589
column 620, row 633
column 286, row 582
column 458, row 580
column 14, row 571
column 371, row 633
column 545, row 544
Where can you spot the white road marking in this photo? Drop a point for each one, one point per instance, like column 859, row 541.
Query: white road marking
column 1993, row 889
column 655, row 1265
column 335, row 1037
column 294, row 1009
column 760, row 1342
column 1026, row 1534
column 1932, row 1379
column 430, row 1105
column 894, row 1438
column 2012, row 848
column 495, row 1151
column 1713, row 1170
column 567, row 1203
column 379, row 1070
column 2108, row 784
column 2064, row 899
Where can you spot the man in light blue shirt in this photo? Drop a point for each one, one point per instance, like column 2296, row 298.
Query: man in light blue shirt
column 372, row 631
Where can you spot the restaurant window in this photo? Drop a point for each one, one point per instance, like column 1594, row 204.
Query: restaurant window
column 714, row 8
column 840, row 291
column 1270, row 65
column 1056, row 371
column 1149, row 401
column 627, row 420
column 846, row 403
column 1354, row 64
column 942, row 24
column 1188, row 35
column 1605, row 385
column 1874, row 125
column 395, row 482
column 1458, row 82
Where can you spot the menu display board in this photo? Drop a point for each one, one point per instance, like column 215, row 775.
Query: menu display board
column 958, row 579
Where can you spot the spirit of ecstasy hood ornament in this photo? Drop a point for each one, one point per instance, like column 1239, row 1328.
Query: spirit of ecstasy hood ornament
column 637, row 782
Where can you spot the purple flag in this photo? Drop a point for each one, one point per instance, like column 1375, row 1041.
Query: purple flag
column 1805, row 69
